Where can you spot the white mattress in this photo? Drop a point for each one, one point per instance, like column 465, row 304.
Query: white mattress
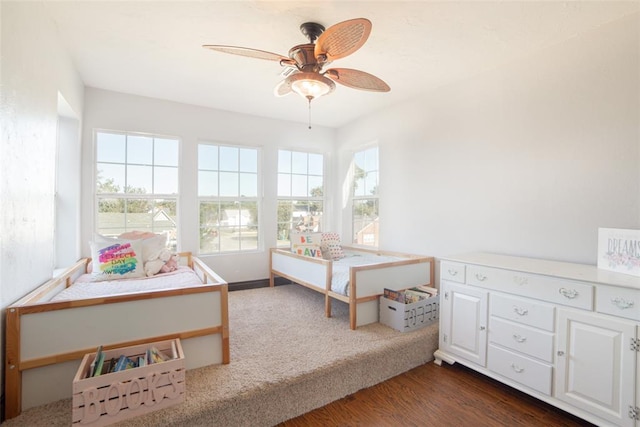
column 340, row 276
column 83, row 288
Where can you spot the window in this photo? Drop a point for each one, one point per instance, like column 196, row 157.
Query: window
column 365, row 197
column 136, row 184
column 300, row 193
column 228, row 195
column 67, row 187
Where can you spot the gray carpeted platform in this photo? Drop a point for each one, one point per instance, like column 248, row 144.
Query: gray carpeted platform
column 286, row 359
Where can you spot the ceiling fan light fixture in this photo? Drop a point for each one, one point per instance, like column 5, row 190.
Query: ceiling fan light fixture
column 310, row 85
column 304, row 66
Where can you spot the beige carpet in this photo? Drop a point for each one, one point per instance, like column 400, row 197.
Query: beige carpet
column 286, row 359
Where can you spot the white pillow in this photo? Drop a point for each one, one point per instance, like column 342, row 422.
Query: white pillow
column 152, row 243
column 115, row 259
column 152, row 247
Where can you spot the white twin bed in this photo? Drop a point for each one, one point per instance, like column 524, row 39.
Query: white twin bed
column 52, row 328
column 358, row 279
column 83, row 287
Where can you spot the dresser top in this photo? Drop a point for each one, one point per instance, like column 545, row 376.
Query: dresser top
column 565, row 270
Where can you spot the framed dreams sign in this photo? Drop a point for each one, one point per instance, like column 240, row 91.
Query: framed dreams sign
column 619, row 250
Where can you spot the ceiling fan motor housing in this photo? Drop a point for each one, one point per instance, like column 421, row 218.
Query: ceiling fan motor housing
column 305, row 58
column 311, row 30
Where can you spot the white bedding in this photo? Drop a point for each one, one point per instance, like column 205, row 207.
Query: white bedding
column 340, row 276
column 84, row 288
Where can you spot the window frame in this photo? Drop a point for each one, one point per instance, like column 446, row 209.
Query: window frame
column 172, row 198
column 367, row 198
column 286, row 242
column 221, row 199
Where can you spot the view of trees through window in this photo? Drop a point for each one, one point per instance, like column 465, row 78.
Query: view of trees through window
column 228, row 195
column 137, row 189
column 300, row 193
column 365, row 197
column 136, row 184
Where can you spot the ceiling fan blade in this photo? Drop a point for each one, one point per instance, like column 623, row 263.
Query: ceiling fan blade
column 282, row 89
column 342, row 39
column 357, row 79
column 245, row 51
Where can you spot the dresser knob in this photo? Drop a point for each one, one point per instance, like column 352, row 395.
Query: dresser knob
column 560, row 353
column 520, row 311
column 621, row 303
column 520, row 280
column 568, row 293
column 519, row 338
column 452, row 272
column 516, row 368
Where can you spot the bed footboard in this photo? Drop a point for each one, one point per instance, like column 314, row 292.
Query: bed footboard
column 313, row 273
column 366, row 282
column 45, row 341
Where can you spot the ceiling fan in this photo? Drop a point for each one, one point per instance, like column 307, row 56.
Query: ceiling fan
column 306, row 62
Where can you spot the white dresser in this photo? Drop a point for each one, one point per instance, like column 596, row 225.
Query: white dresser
column 564, row 333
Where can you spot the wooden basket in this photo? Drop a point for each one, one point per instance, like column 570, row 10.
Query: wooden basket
column 116, row 396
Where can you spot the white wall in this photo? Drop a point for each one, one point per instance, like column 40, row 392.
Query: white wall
column 35, row 68
column 529, row 159
column 116, row 111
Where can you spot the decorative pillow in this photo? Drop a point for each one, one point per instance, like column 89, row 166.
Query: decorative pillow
column 330, row 246
column 307, row 244
column 152, row 244
column 115, row 259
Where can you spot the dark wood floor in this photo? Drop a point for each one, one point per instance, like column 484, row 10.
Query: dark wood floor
column 432, row 395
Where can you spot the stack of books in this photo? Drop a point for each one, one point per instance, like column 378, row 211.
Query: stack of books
column 101, row 366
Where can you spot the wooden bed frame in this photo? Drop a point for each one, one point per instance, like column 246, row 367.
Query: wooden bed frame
column 366, row 282
column 45, row 341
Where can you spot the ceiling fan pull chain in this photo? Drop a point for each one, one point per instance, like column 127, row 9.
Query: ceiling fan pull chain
column 309, row 113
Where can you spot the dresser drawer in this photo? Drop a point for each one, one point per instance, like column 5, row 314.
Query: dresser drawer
column 526, row 371
column 559, row 291
column 526, row 311
column 621, row 302
column 452, row 271
column 521, row 338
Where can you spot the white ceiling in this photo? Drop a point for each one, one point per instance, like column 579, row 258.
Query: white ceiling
column 153, row 48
